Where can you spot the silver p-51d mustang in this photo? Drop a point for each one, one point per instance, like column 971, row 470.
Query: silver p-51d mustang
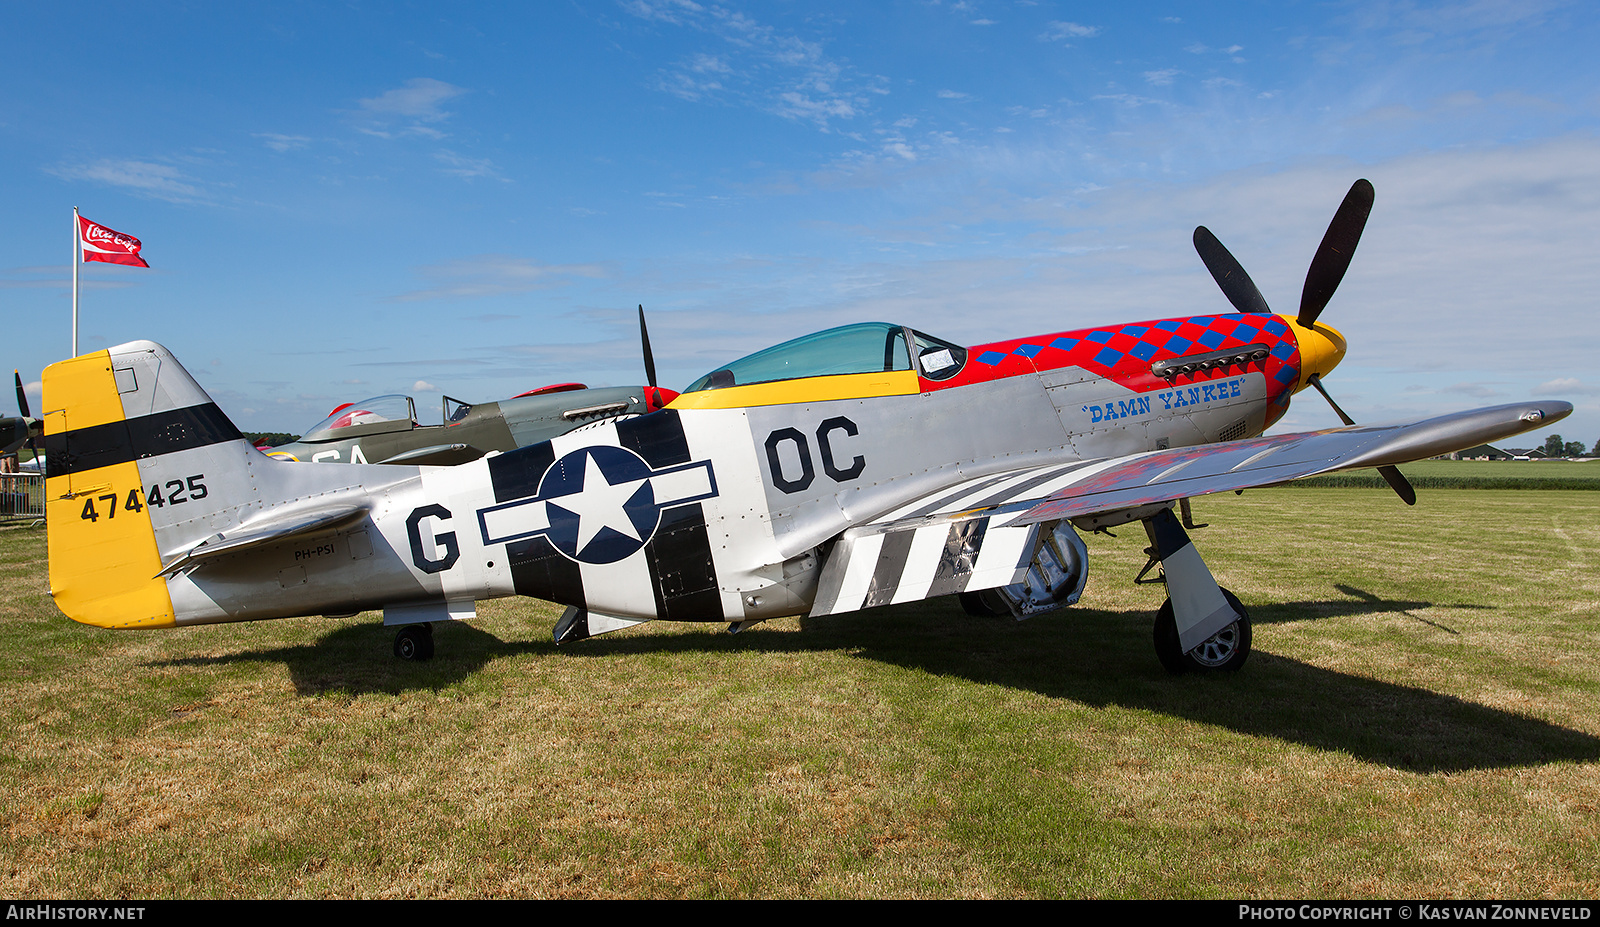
column 860, row 466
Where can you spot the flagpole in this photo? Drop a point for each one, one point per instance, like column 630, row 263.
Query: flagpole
column 76, row 234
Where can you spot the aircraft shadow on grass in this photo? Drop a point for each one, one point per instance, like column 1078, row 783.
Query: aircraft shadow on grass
column 1360, row 602
column 1091, row 656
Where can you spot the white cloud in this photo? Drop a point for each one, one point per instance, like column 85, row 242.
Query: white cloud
column 668, row 11
column 1058, row 30
column 419, row 98
column 469, row 168
column 759, row 66
column 159, row 181
column 1566, row 386
column 1475, row 390
column 281, row 143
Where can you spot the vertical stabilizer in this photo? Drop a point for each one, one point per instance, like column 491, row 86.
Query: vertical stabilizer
column 136, row 454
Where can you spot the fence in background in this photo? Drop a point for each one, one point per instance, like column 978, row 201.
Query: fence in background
column 21, row 496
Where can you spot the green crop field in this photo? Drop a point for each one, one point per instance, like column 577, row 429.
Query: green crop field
column 1420, row 718
column 1474, row 474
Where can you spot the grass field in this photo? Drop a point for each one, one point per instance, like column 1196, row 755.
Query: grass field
column 1420, row 718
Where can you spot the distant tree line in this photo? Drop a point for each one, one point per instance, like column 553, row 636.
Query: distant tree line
column 1555, row 447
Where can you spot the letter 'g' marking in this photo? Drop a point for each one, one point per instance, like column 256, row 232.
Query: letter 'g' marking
column 445, row 541
column 802, row 447
column 823, row 431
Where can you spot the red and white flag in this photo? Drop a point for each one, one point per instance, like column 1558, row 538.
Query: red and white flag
column 103, row 244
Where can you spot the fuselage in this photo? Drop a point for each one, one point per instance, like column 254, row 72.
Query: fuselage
column 716, row 508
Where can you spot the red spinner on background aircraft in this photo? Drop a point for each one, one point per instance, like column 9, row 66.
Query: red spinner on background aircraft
column 861, row 466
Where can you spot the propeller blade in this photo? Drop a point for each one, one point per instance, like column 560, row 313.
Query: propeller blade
column 1333, row 255
column 1317, row 382
column 1229, row 273
column 1398, row 482
column 33, row 426
column 649, row 359
column 1391, row 475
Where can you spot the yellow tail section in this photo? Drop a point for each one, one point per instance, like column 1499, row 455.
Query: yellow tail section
column 103, row 555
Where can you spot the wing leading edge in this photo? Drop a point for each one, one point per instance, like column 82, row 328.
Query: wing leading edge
column 1162, row 476
column 979, row 534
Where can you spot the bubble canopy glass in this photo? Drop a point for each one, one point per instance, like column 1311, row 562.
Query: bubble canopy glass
column 866, row 347
column 377, row 410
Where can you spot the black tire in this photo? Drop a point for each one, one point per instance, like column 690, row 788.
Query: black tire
column 1223, row 652
column 985, row 603
column 414, row 642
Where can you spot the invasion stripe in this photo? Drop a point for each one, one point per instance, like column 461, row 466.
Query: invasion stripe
column 1023, row 486
column 658, row 438
column 682, row 574
column 132, row 439
column 540, row 571
column 960, row 557
column 920, row 508
column 890, row 567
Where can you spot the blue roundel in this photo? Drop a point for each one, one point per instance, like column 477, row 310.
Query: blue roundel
column 600, row 504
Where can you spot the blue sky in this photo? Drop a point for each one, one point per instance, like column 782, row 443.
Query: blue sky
column 341, row 200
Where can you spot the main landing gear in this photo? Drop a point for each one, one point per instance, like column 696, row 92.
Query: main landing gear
column 1201, row 626
column 414, row 642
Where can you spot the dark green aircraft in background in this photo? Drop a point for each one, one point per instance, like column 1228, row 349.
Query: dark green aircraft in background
column 384, row 429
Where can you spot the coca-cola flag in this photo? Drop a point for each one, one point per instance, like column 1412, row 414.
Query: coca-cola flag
column 103, row 244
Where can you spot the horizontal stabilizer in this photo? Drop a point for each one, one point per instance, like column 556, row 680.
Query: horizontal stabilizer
column 280, row 527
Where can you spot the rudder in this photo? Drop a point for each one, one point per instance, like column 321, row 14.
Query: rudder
column 129, row 438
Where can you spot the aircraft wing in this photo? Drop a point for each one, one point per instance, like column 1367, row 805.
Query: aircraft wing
column 980, row 533
column 1161, row 476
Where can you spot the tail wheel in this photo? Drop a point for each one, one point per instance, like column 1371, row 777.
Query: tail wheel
column 1223, row 652
column 414, row 642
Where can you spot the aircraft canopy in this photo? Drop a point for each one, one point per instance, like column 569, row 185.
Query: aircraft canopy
column 866, row 347
column 379, row 409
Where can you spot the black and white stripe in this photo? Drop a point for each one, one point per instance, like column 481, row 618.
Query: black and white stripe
column 888, row 563
column 675, row 567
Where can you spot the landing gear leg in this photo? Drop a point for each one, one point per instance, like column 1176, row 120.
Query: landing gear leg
column 414, row 642
column 1201, row 626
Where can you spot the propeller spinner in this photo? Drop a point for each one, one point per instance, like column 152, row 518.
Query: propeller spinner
column 1321, row 346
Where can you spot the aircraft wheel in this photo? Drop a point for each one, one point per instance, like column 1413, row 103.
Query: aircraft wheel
column 985, row 603
column 1224, row 651
column 414, row 642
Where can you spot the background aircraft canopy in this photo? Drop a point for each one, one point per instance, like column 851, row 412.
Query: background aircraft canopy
column 374, row 411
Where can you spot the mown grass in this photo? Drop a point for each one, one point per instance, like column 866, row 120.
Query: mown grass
column 1421, row 717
